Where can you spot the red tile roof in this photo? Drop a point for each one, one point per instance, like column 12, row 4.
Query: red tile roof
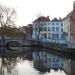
column 42, row 18
column 56, row 20
column 71, row 15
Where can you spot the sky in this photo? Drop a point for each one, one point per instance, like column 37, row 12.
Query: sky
column 29, row 10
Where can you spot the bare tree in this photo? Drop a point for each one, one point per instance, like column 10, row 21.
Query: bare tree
column 7, row 16
column 7, row 19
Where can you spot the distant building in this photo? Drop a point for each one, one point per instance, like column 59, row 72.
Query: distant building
column 48, row 30
column 26, row 32
column 69, row 25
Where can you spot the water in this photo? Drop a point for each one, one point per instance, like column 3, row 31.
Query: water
column 19, row 66
column 22, row 65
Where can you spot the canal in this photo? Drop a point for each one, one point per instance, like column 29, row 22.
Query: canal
column 23, row 64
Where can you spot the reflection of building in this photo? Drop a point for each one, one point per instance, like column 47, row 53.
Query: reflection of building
column 72, row 67
column 26, row 32
column 48, row 30
column 43, row 60
column 69, row 25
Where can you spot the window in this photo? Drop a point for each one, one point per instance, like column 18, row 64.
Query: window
column 49, row 60
column 49, row 36
column 44, row 23
column 41, row 29
column 57, row 29
column 53, row 29
column 57, row 36
column 45, row 36
column 45, row 29
column 48, row 23
column 41, row 36
column 57, row 23
column 62, row 64
column 52, row 23
column 41, row 24
column 37, row 53
column 61, row 24
column 53, row 60
column 57, row 60
column 49, row 29
column 36, row 36
column 62, row 36
column 53, row 36
column 62, row 30
column 36, row 29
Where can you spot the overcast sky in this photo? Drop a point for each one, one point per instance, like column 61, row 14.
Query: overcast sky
column 28, row 10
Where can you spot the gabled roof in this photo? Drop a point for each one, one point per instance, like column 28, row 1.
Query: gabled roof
column 56, row 20
column 42, row 18
column 68, row 15
column 71, row 15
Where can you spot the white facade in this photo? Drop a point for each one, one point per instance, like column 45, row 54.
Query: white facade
column 49, row 31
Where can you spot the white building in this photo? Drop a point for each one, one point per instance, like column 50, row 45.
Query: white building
column 48, row 30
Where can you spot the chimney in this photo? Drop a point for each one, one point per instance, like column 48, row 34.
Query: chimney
column 48, row 17
column 74, row 5
column 59, row 18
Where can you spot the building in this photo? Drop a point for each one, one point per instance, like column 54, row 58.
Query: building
column 26, row 31
column 57, row 33
column 38, row 25
column 69, row 25
column 48, row 30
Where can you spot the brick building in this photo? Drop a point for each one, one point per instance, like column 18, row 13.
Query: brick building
column 69, row 28
column 69, row 25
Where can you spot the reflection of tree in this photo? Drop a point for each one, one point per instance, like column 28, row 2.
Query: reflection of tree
column 9, row 64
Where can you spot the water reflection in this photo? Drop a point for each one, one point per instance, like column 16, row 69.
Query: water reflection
column 19, row 66
column 7, row 65
column 27, row 69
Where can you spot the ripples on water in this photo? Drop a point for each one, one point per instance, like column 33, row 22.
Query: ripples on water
column 23, row 67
